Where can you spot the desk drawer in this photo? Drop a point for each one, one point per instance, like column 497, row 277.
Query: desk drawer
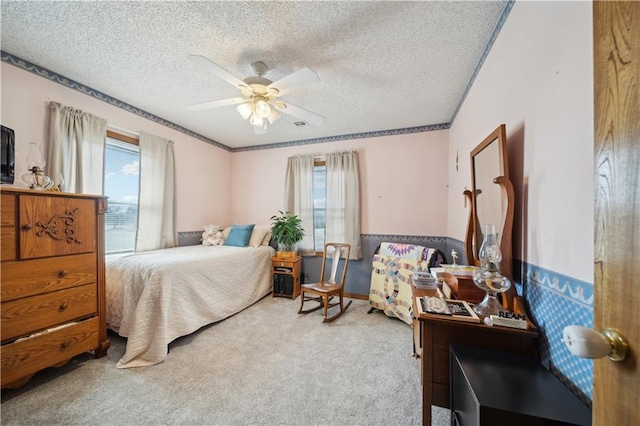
column 22, row 317
column 283, row 263
column 25, row 357
column 32, row 277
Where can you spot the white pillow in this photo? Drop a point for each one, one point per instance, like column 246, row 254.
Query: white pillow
column 259, row 234
column 225, row 232
column 267, row 238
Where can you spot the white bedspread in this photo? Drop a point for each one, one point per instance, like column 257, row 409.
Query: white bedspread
column 158, row 296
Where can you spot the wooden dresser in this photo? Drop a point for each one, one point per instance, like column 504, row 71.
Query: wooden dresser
column 52, row 289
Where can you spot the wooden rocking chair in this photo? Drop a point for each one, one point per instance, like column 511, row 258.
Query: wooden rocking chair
column 324, row 291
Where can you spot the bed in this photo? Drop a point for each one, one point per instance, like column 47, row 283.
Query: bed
column 157, row 296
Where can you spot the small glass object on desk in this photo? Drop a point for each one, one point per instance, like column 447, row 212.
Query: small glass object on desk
column 488, row 276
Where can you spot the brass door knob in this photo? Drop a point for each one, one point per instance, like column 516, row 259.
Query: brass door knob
column 587, row 343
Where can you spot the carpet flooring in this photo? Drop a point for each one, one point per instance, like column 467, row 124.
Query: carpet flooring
column 266, row 365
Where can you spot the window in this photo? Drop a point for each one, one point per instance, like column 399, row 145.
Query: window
column 319, row 203
column 326, row 197
column 121, row 183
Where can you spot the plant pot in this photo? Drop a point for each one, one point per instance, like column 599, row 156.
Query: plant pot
column 286, row 254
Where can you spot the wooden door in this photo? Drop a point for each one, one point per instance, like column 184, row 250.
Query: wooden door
column 617, row 211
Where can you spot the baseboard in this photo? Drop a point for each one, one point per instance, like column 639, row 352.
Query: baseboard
column 356, row 296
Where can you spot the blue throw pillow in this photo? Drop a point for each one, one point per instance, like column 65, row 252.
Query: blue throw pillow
column 239, row 235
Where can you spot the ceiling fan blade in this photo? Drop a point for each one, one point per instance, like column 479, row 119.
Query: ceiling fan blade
column 259, row 130
column 301, row 113
column 215, row 104
column 300, row 78
column 218, row 70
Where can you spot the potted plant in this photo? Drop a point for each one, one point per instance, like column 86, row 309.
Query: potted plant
column 286, row 230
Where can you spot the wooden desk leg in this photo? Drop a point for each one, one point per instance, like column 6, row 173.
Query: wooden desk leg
column 427, row 373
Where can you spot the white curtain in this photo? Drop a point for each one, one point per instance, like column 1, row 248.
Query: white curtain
column 298, row 198
column 76, row 149
column 156, row 210
column 342, row 221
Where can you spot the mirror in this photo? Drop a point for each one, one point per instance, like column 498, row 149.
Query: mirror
column 492, row 200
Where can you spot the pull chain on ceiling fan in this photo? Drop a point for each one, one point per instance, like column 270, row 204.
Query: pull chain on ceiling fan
column 260, row 103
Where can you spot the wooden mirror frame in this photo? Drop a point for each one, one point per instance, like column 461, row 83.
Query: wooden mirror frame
column 474, row 235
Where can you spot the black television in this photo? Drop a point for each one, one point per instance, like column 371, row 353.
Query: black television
column 7, row 155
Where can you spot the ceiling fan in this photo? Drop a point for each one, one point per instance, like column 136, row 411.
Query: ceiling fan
column 260, row 103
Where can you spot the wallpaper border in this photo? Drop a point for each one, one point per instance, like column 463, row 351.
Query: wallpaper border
column 503, row 17
column 561, row 285
column 72, row 84
column 57, row 78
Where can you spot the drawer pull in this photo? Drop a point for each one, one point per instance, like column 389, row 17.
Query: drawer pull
column 63, row 306
column 27, row 227
column 65, row 344
column 63, row 273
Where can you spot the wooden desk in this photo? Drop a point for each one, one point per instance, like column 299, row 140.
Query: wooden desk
column 432, row 337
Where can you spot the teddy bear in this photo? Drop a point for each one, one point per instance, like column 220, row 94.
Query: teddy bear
column 212, row 235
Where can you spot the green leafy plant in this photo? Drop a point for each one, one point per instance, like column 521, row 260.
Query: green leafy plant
column 286, row 229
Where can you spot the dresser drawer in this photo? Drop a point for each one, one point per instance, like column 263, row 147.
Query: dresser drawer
column 55, row 226
column 8, row 227
column 280, row 263
column 24, row 316
column 32, row 277
column 7, row 210
column 7, row 243
column 25, row 357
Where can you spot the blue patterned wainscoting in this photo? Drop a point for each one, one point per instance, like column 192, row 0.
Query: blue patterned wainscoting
column 191, row 238
column 555, row 301
column 359, row 273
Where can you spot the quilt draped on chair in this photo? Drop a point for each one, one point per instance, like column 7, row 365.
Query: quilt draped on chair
column 392, row 268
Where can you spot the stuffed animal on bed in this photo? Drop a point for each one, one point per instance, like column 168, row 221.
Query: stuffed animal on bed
column 212, row 235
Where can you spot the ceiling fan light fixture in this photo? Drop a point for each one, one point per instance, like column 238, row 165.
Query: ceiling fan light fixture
column 263, row 110
column 259, row 103
column 273, row 116
column 256, row 120
column 245, row 110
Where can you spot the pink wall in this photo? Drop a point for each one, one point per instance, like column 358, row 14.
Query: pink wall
column 403, row 177
column 537, row 80
column 203, row 170
column 403, row 182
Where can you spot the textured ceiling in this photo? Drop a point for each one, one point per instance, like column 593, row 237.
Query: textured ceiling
column 382, row 65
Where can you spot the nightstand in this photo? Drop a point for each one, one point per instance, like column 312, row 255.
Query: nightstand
column 286, row 276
